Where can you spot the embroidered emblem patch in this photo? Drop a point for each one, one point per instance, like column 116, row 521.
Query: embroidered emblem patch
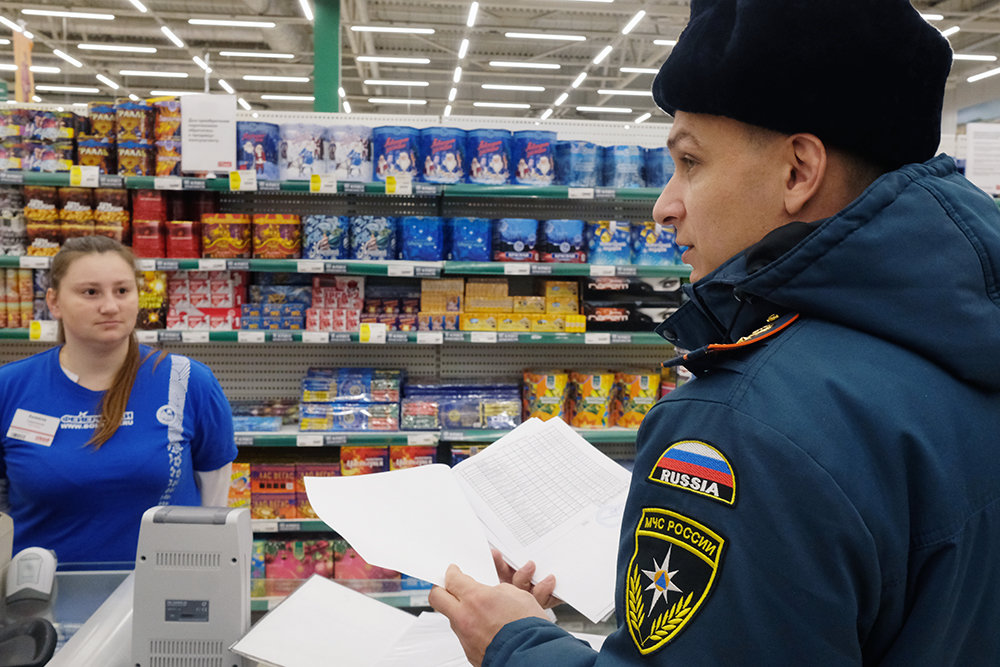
column 696, row 466
column 669, row 577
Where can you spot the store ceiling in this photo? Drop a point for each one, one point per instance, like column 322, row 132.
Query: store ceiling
column 601, row 23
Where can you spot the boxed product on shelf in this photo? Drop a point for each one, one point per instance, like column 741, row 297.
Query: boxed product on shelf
column 488, row 152
column 658, row 166
column 411, row 456
column 98, row 151
column 437, row 321
column 183, row 238
column 578, row 164
column 373, row 237
column 206, row 299
column 354, row 385
column 167, row 157
column 258, row 572
column 272, row 491
column 18, row 305
column 515, row 240
column 136, row 158
column 528, row 304
column 441, row 154
column 419, row 413
column 264, row 414
column 134, row 121
column 338, row 292
column 287, row 563
column 111, row 213
column 562, row 241
column 257, row 146
column 532, row 152
column 326, row 236
column 394, row 151
column 303, row 470
column 239, row 485
column 225, row 235
column 469, row 239
column 518, row 322
column 363, row 460
column 421, row 238
column 332, row 319
column 622, row 166
column 277, row 236
column 654, row 244
column 167, row 119
column 384, row 298
column 153, row 303
column 351, row 570
column 544, row 394
column 462, row 406
column 590, row 398
column 301, row 151
column 347, row 151
column 460, row 453
column 349, row 417
column 609, row 242
column 635, row 393
column 477, row 322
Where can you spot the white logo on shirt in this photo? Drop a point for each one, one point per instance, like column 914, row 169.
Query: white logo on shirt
column 86, row 421
column 166, row 415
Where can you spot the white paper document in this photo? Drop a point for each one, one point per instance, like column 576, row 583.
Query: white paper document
column 541, row 492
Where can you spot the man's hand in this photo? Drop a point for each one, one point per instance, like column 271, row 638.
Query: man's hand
column 522, row 579
column 477, row 611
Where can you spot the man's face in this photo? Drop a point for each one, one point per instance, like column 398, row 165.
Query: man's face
column 726, row 192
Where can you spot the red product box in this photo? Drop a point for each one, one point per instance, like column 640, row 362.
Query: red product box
column 149, row 205
column 272, row 478
column 352, row 570
column 363, row 460
column 411, row 456
column 239, row 485
column 303, row 470
column 272, row 505
column 183, row 239
column 287, row 563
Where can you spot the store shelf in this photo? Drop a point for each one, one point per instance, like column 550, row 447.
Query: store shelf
column 416, row 598
column 261, row 526
column 565, row 269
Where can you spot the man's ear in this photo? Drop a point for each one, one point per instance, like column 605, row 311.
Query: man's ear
column 807, row 169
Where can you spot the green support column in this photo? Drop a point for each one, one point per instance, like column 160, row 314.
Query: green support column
column 326, row 55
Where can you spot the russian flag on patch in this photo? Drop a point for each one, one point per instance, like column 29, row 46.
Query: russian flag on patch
column 696, row 466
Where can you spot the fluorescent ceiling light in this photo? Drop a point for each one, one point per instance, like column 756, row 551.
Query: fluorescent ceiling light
column 68, row 58
column 984, row 75
column 665, row 42
column 524, row 65
column 451, row 94
column 636, row 93
column 80, row 104
column 341, row 92
column 393, row 59
column 172, row 93
column 41, row 69
column 156, row 73
column 457, row 76
column 226, row 87
column 201, row 63
column 256, row 54
column 68, row 89
column 108, row 82
column 970, row 56
column 116, row 48
column 473, row 11
column 347, row 107
column 390, row 82
column 544, row 35
column 546, row 113
column 639, row 70
column 292, row 98
column 306, row 9
column 244, row 104
column 951, row 31
column 578, row 80
column 605, row 109
column 603, row 54
column 501, row 105
column 643, row 118
column 4, row 42
column 389, row 28
column 133, row 97
column 463, row 48
column 394, row 100
column 10, row 24
column 500, row 86
column 447, row 110
column 932, row 17
column 68, row 15
column 263, row 77
column 36, row 99
column 172, row 37
column 634, row 21
column 233, row 24
column 138, row 5
column 562, row 98
column 8, row 67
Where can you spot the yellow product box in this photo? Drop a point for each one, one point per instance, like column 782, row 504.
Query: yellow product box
column 428, row 285
column 431, row 321
column 576, row 323
column 489, row 304
column 514, row 322
column 487, row 287
column 559, row 289
column 528, row 304
column 637, row 392
column 547, row 322
column 478, row 322
column 440, row 302
column 562, row 305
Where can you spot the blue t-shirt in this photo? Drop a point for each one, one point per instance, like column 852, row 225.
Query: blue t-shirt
column 87, row 504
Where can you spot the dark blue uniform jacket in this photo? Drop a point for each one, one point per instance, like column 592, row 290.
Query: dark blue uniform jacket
column 827, row 491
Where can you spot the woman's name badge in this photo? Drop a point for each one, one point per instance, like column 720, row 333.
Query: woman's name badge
column 33, row 427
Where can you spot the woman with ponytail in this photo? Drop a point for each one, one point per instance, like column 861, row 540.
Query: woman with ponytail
column 98, row 429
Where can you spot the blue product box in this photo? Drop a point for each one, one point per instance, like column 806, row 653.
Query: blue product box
column 271, row 323
column 659, row 167
column 653, row 243
column 515, row 240
column 394, row 151
column 278, row 294
column 471, row 239
column 622, row 166
column 532, row 152
column 562, row 241
column 326, row 237
column 251, row 310
column 293, row 323
column 373, row 237
column 421, row 238
column 609, row 242
column 254, row 423
column 578, row 164
column 488, row 153
column 442, row 155
column 251, row 323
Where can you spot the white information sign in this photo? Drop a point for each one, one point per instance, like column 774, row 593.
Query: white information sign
column 208, row 142
column 982, row 156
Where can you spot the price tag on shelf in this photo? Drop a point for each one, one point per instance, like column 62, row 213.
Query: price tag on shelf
column 212, row 265
column 340, row 337
column 32, row 262
column 425, row 189
column 308, row 440
column 111, row 181
column 605, row 193
column 238, row 264
column 453, row 436
column 454, row 336
column 167, row 265
column 81, row 176
column 483, row 337
column 372, row 332
column 321, row 183
column 334, row 439
column 309, row 265
column 421, row 438
column 43, row 330
column 147, row 336
column 243, row 180
column 397, row 337
column 265, row 526
column 145, row 264
column 194, row 183
column 268, row 186
column 508, row 337
column 430, row 337
column 541, row 269
column 251, row 336
column 517, row 269
column 321, row 337
column 11, row 178
column 354, row 188
column 282, row 336
column 334, row 267
column 425, row 271
column 194, row 336
column 401, row 184
column 621, row 338
column 626, row 271
column 394, row 269
column 602, row 270
column 169, row 336
column 242, row 440
column 580, row 193
column 168, row 183
column 597, row 338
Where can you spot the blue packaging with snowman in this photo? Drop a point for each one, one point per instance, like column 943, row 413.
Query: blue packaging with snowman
column 659, row 167
column 609, row 242
column 653, row 243
column 373, row 237
column 347, row 149
column 532, row 153
column 470, row 239
column 326, row 236
column 488, row 153
column 421, row 238
column 578, row 164
column 394, row 151
column 442, row 155
column 515, row 240
column 257, row 148
column 301, row 153
column 561, row 241
column 622, row 166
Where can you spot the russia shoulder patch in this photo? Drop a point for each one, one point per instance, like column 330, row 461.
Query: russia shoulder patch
column 671, row 574
column 696, row 466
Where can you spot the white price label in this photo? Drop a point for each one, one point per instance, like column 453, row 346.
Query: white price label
column 212, row 265
column 400, row 270
column 32, row 262
column 400, row 184
column 251, row 336
column 421, row 438
column 602, row 270
column 81, row 176
column 168, row 183
column 483, row 337
column 310, row 266
column 194, row 336
column 147, row 336
column 517, row 269
column 597, row 338
column 321, row 337
column 308, row 440
column 430, row 337
column 322, row 183
column 243, row 180
column 580, row 193
column 145, row 264
column 265, row 526
column 372, row 332
column 43, row 330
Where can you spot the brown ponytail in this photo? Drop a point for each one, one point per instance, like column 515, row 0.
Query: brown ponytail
column 115, row 399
